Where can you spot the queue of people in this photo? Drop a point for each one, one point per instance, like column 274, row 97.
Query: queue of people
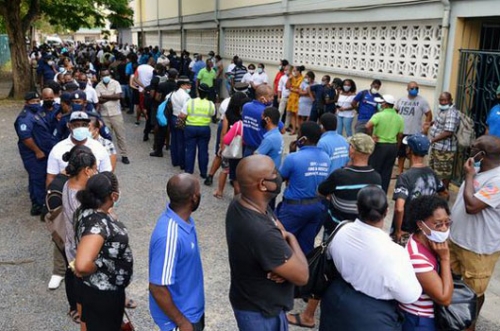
column 328, row 179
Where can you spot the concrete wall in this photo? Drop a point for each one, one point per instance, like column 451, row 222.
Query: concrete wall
column 231, row 4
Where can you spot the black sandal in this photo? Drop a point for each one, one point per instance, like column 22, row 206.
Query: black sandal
column 74, row 316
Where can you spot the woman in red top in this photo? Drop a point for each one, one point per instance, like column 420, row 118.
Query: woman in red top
column 430, row 256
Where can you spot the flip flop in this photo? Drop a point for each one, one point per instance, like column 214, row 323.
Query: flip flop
column 217, row 195
column 130, row 304
column 74, row 316
column 298, row 322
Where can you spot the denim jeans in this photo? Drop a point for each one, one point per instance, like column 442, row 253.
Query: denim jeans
column 344, row 123
column 418, row 323
column 197, row 137
column 253, row 321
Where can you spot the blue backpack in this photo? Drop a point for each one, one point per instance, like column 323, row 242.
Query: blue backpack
column 163, row 110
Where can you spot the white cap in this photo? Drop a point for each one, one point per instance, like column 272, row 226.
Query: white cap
column 387, row 98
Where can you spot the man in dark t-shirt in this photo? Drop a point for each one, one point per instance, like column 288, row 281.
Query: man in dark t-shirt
column 265, row 260
column 417, row 181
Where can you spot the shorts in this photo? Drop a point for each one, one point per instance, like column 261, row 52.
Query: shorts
column 442, row 163
column 135, row 96
column 402, row 148
column 233, row 163
column 475, row 269
column 141, row 100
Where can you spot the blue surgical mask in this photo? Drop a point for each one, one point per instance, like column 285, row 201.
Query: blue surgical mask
column 413, row 92
column 260, row 70
column 188, row 90
column 379, row 106
column 444, row 107
column 106, row 79
column 117, row 202
column 477, row 166
column 80, row 134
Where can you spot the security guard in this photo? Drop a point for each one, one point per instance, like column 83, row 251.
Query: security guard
column 35, row 142
column 198, row 113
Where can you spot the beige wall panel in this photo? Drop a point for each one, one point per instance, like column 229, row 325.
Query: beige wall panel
column 230, row 4
column 150, row 10
column 193, row 7
column 168, row 8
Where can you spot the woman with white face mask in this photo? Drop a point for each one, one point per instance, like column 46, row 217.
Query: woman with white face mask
column 345, row 110
column 429, row 253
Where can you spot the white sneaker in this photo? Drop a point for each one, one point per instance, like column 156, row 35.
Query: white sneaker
column 55, row 282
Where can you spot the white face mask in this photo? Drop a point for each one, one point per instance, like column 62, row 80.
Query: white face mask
column 444, row 107
column 251, row 71
column 347, row 88
column 437, row 236
column 374, row 91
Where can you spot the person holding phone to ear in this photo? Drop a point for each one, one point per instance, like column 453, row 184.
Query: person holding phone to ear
column 475, row 234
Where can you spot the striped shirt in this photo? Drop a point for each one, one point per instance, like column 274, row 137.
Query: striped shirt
column 174, row 262
column 108, row 144
column 423, row 260
column 238, row 73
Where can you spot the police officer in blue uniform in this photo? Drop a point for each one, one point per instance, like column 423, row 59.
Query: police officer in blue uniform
column 35, row 142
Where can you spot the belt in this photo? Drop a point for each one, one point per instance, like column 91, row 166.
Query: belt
column 308, row 201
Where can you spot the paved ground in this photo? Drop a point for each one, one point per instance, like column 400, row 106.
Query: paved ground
column 26, row 251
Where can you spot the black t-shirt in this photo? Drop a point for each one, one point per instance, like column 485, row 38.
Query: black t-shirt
column 166, row 87
column 414, row 183
column 122, row 76
column 343, row 185
column 255, row 247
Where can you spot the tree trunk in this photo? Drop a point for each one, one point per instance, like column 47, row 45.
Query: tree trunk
column 16, row 31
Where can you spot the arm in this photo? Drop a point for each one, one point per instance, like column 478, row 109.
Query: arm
column 163, row 298
column 427, row 123
column 439, row 286
column 369, row 127
column 86, row 253
column 295, row 269
column 399, row 209
column 442, row 136
column 473, row 205
column 229, row 136
column 30, row 143
column 104, row 98
column 50, row 178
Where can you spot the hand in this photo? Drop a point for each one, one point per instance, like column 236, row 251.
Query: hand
column 441, row 249
column 186, row 326
column 40, row 155
column 469, row 167
column 375, row 139
column 425, row 127
column 275, row 278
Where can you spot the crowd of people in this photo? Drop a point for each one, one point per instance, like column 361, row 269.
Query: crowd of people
column 339, row 168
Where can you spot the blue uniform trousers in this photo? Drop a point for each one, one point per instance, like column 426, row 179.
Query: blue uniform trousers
column 304, row 221
column 197, row 137
column 37, row 174
column 177, row 145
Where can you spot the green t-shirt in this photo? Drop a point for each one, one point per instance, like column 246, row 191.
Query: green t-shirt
column 207, row 77
column 387, row 124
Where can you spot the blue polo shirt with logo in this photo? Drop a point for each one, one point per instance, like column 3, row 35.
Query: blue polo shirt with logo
column 493, row 121
column 337, row 148
column 174, row 262
column 253, row 133
column 366, row 105
column 272, row 146
column 305, row 170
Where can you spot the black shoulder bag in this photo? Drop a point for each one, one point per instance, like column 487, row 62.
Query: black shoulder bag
column 322, row 270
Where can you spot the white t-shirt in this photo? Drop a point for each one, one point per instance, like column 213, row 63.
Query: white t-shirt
column 144, row 74
column 479, row 233
column 56, row 165
column 259, row 79
column 223, row 107
column 247, row 78
column 345, row 101
column 179, row 99
column 282, row 86
column 412, row 111
column 373, row 264
column 91, row 94
column 230, row 68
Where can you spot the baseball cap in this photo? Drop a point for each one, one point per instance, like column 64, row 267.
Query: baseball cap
column 498, row 90
column 79, row 116
column 387, row 98
column 79, row 95
column 362, row 143
column 418, row 143
column 31, row 95
column 66, row 97
column 240, row 87
column 71, row 86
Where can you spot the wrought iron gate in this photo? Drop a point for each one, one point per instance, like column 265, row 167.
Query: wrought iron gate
column 478, row 79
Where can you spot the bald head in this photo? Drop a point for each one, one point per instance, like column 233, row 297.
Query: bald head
column 181, row 187
column 47, row 94
column 251, row 170
column 489, row 144
column 265, row 91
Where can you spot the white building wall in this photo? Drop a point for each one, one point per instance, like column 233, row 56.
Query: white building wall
column 201, row 41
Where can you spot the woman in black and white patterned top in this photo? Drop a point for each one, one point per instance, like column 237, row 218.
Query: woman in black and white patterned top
column 103, row 258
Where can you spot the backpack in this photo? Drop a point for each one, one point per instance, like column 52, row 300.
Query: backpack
column 54, row 219
column 465, row 133
column 164, row 111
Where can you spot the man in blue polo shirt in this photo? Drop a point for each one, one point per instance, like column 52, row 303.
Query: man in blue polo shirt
column 272, row 145
column 334, row 144
column 253, row 132
column 493, row 119
column 302, row 211
column 177, row 297
column 365, row 101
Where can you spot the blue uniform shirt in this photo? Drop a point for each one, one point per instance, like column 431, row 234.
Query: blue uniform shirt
column 329, row 94
column 174, row 262
column 337, row 148
column 34, row 123
column 366, row 104
column 62, row 131
column 272, row 146
column 197, row 66
column 253, row 133
column 45, row 70
column 493, row 121
column 305, row 170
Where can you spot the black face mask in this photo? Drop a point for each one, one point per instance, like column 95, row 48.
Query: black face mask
column 278, row 181
column 48, row 103
column 82, row 85
column 263, row 123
